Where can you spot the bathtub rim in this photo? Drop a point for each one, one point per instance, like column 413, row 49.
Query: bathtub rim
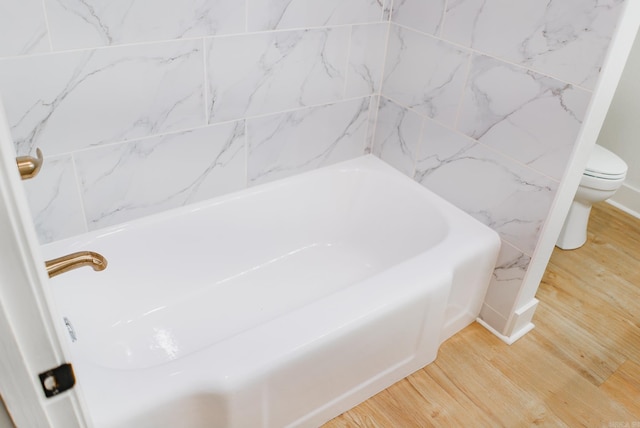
column 361, row 163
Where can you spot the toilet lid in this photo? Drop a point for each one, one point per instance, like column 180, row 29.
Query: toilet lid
column 605, row 164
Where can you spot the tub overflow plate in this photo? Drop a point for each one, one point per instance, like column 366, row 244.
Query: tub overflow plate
column 57, row 380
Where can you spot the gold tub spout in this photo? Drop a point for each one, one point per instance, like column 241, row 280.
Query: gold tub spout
column 74, row 261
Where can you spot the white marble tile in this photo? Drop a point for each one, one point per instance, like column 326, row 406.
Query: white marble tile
column 566, row 39
column 421, row 15
column 425, row 74
column 437, row 147
column 91, row 23
column 372, row 121
column 289, row 143
column 529, row 117
column 125, row 181
column 512, row 200
column 71, row 101
column 387, row 10
column 54, row 200
column 366, row 59
column 397, row 136
column 283, row 14
column 507, row 278
column 23, row 29
column 265, row 73
column 493, row 318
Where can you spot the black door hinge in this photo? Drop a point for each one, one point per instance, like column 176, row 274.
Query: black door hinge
column 57, row 380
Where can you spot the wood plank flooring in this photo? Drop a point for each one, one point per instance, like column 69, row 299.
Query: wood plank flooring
column 580, row 366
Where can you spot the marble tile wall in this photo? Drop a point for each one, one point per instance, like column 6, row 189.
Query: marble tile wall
column 142, row 106
column 482, row 101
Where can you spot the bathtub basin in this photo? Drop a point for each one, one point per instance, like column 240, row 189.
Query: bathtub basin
column 281, row 305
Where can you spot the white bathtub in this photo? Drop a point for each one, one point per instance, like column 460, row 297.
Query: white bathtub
column 281, row 305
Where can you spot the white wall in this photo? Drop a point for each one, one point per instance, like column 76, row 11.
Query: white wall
column 621, row 131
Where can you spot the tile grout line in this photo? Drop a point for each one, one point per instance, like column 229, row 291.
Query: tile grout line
column 205, row 84
column 48, row 27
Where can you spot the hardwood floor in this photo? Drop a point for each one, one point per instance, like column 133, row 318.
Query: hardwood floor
column 580, row 366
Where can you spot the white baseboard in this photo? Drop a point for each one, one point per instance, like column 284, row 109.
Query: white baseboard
column 627, row 198
column 520, row 323
column 509, row 340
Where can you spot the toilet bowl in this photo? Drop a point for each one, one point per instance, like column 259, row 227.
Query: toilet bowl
column 603, row 176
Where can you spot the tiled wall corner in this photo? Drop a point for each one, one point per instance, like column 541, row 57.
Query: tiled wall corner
column 425, row 74
column 498, row 191
column 279, row 145
column 493, row 96
column 118, row 93
column 366, row 59
column 397, row 135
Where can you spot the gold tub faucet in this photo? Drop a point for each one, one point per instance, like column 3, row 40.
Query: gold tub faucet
column 74, row 261
column 29, row 166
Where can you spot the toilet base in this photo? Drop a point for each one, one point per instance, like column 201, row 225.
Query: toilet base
column 574, row 230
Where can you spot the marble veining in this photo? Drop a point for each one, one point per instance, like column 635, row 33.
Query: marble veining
column 425, row 74
column 92, row 23
column 288, row 143
column 512, row 200
column 126, row 181
column 387, row 10
column 54, row 200
column 71, row 101
column 510, row 269
column 564, row 39
column 284, row 14
column 397, row 136
column 530, row 117
column 276, row 71
column 438, row 147
column 366, row 59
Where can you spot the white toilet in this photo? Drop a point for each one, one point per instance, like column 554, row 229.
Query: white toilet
column 603, row 176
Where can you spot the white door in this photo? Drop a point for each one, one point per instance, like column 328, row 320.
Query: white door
column 29, row 343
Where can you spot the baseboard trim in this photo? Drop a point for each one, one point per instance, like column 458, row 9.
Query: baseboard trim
column 509, row 340
column 627, row 198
